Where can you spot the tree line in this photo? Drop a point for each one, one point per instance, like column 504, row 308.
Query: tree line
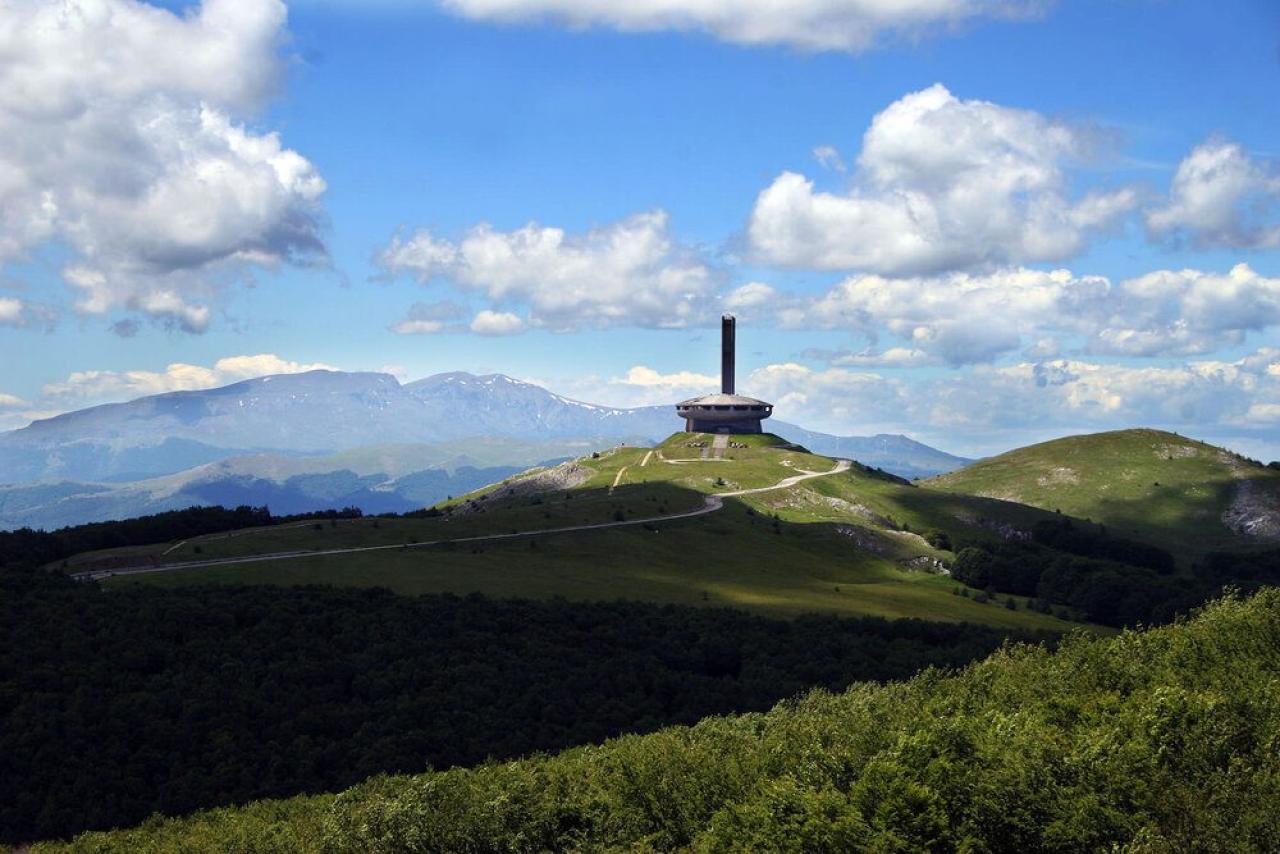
column 30, row 547
column 1107, row 579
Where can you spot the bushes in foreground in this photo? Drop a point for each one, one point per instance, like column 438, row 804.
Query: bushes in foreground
column 1164, row 740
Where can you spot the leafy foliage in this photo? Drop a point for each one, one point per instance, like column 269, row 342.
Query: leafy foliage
column 1065, row 535
column 1163, row 740
column 116, row 704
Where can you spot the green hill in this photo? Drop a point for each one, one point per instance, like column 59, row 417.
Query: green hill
column 1155, row 485
column 1163, row 740
column 793, row 532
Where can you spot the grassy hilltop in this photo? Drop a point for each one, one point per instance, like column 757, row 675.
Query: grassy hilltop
column 1148, row 483
column 847, row 543
column 1163, row 740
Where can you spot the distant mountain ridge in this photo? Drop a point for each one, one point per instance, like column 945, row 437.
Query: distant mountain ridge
column 120, row 458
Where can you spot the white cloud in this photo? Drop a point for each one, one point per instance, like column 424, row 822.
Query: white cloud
column 10, row 401
column 1220, row 196
column 641, row 385
column 965, row 318
column 941, row 184
column 640, row 375
column 959, row 318
column 430, row 318
column 845, row 25
column 11, row 311
column 496, row 323
column 828, row 157
column 750, row 295
column 893, row 357
column 83, row 386
column 121, row 142
column 628, row 273
column 989, row 406
column 1189, row 312
column 418, row 327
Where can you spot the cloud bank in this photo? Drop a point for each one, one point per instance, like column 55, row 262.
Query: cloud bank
column 125, row 141
column 84, row 387
column 811, row 25
column 631, row 272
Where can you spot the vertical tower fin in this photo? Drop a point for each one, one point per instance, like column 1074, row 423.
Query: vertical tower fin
column 727, row 345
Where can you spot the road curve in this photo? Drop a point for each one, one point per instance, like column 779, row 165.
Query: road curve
column 711, row 503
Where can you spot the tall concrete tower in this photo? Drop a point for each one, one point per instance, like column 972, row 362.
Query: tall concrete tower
column 728, row 332
column 726, row 412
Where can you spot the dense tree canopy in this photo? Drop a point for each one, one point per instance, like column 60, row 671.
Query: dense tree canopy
column 1155, row 741
column 116, row 704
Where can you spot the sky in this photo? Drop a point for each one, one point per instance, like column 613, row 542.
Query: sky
column 980, row 223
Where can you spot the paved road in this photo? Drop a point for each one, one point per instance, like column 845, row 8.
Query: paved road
column 711, row 503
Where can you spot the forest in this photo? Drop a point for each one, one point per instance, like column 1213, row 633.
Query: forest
column 1153, row 741
column 1107, row 579
column 118, row 704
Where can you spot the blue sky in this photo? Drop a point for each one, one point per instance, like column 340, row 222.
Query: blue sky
column 571, row 192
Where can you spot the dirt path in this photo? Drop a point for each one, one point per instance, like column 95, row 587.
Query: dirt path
column 711, row 503
column 617, row 480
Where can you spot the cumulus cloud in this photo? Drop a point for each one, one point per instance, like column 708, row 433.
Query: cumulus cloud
column 965, row 318
column 845, row 25
column 750, row 295
column 10, row 401
column 1221, row 197
column 84, row 386
column 992, row 405
column 11, row 311
column 123, row 143
column 941, row 184
column 630, row 272
column 641, row 375
column 496, row 323
column 1189, row 312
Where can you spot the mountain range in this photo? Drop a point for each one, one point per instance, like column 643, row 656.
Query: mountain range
column 321, row 439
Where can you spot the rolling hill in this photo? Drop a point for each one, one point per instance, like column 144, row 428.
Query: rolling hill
column 789, row 532
column 1160, row 740
column 1155, row 485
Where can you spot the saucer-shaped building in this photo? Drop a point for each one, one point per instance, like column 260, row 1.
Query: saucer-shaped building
column 725, row 412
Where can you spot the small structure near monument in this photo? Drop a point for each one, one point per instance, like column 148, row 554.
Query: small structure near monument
column 726, row 412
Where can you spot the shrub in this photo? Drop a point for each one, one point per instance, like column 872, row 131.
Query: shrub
column 938, row 539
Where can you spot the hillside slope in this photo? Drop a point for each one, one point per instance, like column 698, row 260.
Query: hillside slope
column 794, row 532
column 1156, row 485
column 1155, row 741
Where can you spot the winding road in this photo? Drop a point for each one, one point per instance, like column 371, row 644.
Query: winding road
column 711, row 503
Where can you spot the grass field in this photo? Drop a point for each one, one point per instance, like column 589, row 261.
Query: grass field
column 842, row 544
column 1158, row 486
